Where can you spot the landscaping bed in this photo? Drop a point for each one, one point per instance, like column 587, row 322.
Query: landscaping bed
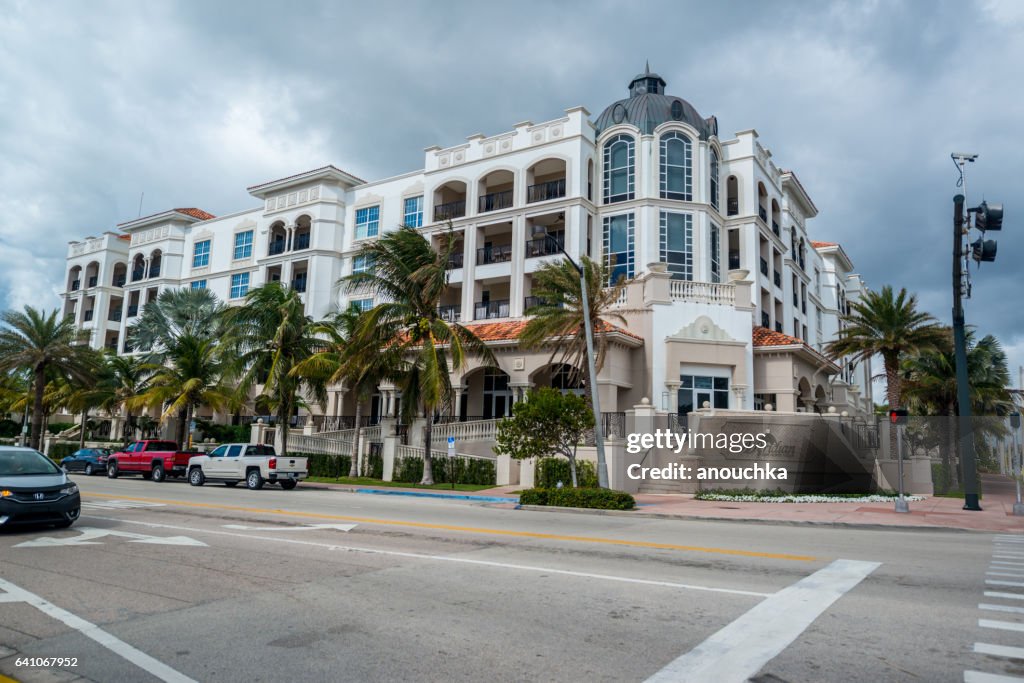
column 777, row 496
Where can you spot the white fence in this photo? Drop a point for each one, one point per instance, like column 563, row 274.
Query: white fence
column 418, row 452
column 703, row 292
column 478, row 430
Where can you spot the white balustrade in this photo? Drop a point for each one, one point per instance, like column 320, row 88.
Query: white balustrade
column 703, row 292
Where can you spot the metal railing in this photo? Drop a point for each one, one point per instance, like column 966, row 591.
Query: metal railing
column 449, row 313
column 114, row 316
column 732, row 207
column 276, row 247
column 764, row 267
column 494, row 254
column 766, row 320
column 137, row 275
column 553, row 189
column 93, row 280
column 119, row 280
column 87, row 316
column 532, row 301
column 612, row 425
column 778, row 327
column 762, row 213
column 734, row 260
column 76, row 285
column 777, row 277
column 495, row 201
column 133, row 311
column 543, row 246
column 301, row 242
column 154, row 271
column 776, row 229
column 483, row 310
column 299, row 285
column 456, row 209
column 455, row 261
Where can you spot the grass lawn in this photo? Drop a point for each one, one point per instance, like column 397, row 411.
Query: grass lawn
column 377, row 483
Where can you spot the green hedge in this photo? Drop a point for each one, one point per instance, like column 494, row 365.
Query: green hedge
column 600, row 499
column 224, row 433
column 461, row 470
column 9, row 429
column 550, row 471
column 62, row 449
column 373, row 466
column 323, row 465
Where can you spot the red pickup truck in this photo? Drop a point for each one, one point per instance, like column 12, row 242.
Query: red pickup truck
column 151, row 458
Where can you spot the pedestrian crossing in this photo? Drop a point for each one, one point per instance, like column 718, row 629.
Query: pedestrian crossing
column 1004, row 582
column 118, row 504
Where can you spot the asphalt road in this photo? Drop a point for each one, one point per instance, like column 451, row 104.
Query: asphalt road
column 170, row 582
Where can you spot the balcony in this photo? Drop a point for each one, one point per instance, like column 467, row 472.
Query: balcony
column 541, row 192
column 734, row 260
column 449, row 313
column 766, row 321
column 732, row 207
column 499, row 254
column 299, row 284
column 119, row 280
column 495, row 201
column 532, row 301
column 87, row 317
column 276, row 247
column 777, row 277
column 483, row 310
column 114, row 316
column 545, row 246
column 776, row 229
column 93, row 280
column 76, row 285
column 450, row 210
column 301, row 242
column 154, row 271
column 763, row 213
column 455, row 261
column 133, row 311
column 764, row 267
column 137, row 275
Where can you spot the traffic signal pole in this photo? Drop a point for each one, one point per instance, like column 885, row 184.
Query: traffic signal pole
column 963, row 389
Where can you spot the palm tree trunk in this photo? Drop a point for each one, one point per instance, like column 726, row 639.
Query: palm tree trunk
column 38, row 387
column 179, row 429
column 188, row 428
column 428, row 463
column 284, row 417
column 81, row 435
column 353, row 468
column 892, row 390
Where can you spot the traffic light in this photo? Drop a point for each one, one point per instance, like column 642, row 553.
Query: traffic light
column 983, row 250
column 898, row 416
column 988, row 217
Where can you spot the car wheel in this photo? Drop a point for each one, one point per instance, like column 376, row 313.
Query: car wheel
column 288, row 484
column 254, row 480
column 231, row 484
column 112, row 469
column 88, row 470
column 196, row 477
column 158, row 475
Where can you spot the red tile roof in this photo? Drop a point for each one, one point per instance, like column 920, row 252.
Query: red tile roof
column 196, row 213
column 765, row 337
column 824, row 245
column 510, row 330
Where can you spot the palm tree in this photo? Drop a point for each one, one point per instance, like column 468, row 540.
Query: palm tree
column 271, row 335
column 409, row 279
column 123, row 378
column 195, row 372
column 40, row 342
column 361, row 363
column 887, row 325
column 558, row 318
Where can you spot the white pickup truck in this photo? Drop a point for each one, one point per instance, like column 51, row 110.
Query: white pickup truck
column 255, row 464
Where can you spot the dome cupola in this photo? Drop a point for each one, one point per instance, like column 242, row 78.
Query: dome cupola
column 647, row 107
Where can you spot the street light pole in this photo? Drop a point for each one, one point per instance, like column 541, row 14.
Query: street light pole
column 1018, row 506
column 588, row 330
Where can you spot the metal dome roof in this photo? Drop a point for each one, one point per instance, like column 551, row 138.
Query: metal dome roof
column 647, row 107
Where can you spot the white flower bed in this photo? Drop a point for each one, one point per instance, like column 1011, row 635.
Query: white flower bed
column 801, row 498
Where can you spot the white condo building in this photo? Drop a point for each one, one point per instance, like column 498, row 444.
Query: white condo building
column 730, row 300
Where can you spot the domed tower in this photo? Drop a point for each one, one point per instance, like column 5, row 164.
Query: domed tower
column 647, row 107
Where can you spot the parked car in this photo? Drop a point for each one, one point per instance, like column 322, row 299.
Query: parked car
column 34, row 490
column 152, row 458
column 255, row 464
column 87, row 460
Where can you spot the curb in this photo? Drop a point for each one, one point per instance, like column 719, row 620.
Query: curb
column 771, row 522
column 448, row 496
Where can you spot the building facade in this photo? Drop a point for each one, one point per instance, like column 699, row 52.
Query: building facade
column 729, row 302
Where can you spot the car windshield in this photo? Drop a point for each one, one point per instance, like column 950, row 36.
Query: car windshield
column 25, row 463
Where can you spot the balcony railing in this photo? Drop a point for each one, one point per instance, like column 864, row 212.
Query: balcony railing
column 133, row 311
column 532, row 301
column 482, row 310
column 494, row 254
column 803, row 306
column 777, row 276
column 732, row 207
column 276, row 247
column 88, row 316
column 450, row 313
column 720, row 293
column 301, row 242
column 137, row 275
column 456, row 209
column 778, row 327
column 496, row 201
column 545, row 246
column 540, row 192
column 455, row 261
column 763, row 213
column 76, row 285
column 734, row 260
column 776, row 229
column 154, row 271
column 93, row 280
column 766, row 320
column 764, row 267
column 299, row 284
column 119, row 280
column 114, row 316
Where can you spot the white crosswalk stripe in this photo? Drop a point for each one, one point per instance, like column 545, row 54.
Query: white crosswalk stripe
column 1007, row 562
column 118, row 504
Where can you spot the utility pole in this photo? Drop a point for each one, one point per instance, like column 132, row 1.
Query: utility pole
column 963, row 389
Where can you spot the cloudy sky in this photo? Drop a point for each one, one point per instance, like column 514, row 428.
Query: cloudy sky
column 191, row 102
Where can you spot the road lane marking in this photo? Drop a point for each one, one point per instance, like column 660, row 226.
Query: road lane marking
column 1009, row 563
column 1008, row 596
column 448, row 558
column 1001, row 608
column 1015, row 584
column 1004, row 625
column 94, row 632
column 743, row 647
column 306, row 527
column 999, row 650
column 981, row 677
column 88, row 535
column 1016, row 574
column 500, row 532
column 120, row 504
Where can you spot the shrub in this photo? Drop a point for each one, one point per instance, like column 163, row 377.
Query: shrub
column 224, row 433
column 373, row 465
column 461, row 470
column 9, row 429
column 594, row 498
column 550, row 471
column 62, row 449
column 324, row 465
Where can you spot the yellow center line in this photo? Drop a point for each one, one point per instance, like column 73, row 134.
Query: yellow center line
column 5, row 679
column 474, row 530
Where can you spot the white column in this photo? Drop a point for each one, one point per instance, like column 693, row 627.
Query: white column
column 468, row 273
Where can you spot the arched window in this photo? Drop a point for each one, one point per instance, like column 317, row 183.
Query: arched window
column 619, row 161
column 713, row 179
column 676, row 167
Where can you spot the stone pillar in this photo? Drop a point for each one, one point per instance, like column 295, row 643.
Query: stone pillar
column 518, row 266
column 527, row 473
column 256, row 431
column 469, row 273
column 656, row 284
column 388, row 455
column 507, row 471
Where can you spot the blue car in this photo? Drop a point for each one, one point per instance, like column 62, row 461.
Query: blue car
column 87, row 460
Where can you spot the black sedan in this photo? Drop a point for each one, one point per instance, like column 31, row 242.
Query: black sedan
column 87, row 460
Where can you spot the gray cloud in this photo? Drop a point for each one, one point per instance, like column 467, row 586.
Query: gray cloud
column 191, row 102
